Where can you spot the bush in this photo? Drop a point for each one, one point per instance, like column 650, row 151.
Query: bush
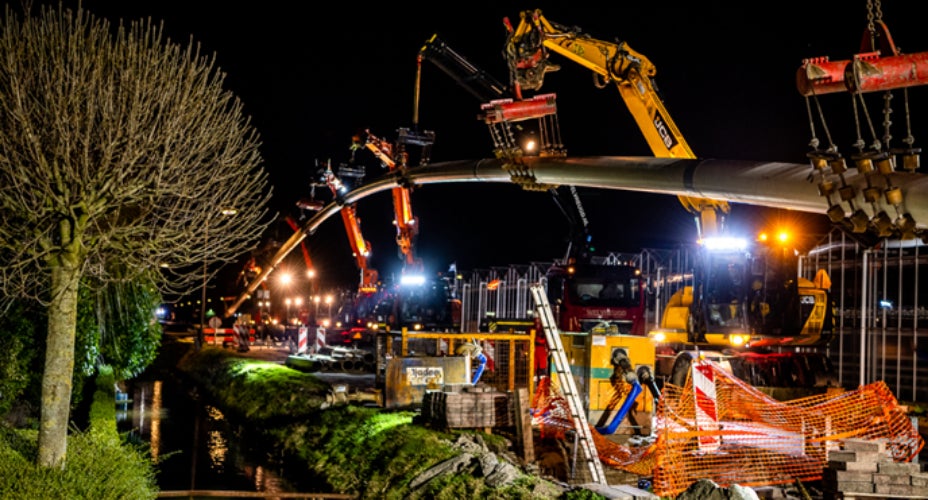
column 17, row 352
column 103, row 408
column 98, row 465
column 96, row 469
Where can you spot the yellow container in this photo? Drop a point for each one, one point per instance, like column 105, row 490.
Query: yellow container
column 601, row 384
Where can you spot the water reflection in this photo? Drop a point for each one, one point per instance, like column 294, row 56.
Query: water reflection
column 193, row 444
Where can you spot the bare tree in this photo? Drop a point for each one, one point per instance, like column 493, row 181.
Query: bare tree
column 119, row 150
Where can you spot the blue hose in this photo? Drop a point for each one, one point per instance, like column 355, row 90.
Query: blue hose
column 482, row 360
column 626, row 405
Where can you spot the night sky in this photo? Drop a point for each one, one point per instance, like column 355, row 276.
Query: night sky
column 312, row 75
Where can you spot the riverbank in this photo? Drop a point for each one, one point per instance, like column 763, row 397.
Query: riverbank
column 363, row 451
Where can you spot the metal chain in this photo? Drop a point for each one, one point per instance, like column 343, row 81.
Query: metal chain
column 863, row 105
column 871, row 17
column 887, row 119
column 814, row 142
column 909, row 139
column 859, row 143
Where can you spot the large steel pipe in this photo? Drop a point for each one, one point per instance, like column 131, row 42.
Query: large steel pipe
column 865, row 73
column 769, row 184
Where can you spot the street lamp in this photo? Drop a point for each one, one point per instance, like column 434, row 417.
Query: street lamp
column 299, row 304
column 311, row 274
column 288, row 301
column 315, row 308
column 328, row 303
column 199, row 340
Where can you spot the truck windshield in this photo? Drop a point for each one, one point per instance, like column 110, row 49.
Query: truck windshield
column 605, row 286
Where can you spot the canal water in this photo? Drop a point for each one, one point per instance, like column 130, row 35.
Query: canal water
column 194, row 446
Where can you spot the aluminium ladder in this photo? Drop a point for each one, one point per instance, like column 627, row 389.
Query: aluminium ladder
column 567, row 384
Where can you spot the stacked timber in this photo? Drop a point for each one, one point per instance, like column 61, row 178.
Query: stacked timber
column 467, row 407
column 865, row 469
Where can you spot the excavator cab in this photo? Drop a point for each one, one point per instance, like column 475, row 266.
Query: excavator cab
column 749, row 308
column 718, row 307
column 750, row 295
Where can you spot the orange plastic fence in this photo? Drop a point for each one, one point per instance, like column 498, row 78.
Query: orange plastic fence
column 740, row 435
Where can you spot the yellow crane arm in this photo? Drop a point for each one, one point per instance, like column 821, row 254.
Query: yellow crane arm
column 527, row 51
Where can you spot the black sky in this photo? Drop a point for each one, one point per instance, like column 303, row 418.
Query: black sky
column 312, row 74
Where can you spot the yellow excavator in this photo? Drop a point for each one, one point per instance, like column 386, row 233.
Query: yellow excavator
column 528, row 51
column 746, row 301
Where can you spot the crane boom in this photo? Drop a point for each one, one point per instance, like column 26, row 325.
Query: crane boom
column 306, row 258
column 407, row 224
column 479, row 83
column 360, row 248
column 527, row 49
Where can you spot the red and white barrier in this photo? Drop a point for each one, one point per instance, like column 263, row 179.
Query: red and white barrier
column 227, row 335
column 303, row 340
column 707, row 415
column 241, row 335
column 320, row 339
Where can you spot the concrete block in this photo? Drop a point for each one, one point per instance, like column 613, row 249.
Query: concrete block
column 854, row 456
column 892, row 479
column 919, row 479
column 893, row 489
column 877, row 445
column 848, row 487
column 853, row 466
column 898, row 468
column 832, row 475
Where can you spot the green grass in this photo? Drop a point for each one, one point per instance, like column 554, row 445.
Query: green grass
column 370, row 452
column 254, row 390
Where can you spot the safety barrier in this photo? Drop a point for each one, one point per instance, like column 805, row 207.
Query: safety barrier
column 751, row 439
column 224, row 335
column 509, row 355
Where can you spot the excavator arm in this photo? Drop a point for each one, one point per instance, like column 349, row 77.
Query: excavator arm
column 527, row 50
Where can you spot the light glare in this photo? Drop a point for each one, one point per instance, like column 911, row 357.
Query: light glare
column 412, row 279
column 724, row 243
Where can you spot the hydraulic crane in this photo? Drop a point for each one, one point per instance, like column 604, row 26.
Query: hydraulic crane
column 360, row 248
column 395, row 159
column 474, row 80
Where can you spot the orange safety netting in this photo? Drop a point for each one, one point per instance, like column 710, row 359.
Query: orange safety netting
column 753, row 439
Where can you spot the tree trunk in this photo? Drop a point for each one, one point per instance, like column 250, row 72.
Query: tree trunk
column 59, row 365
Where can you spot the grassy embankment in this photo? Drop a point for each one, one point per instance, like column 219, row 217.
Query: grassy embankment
column 368, row 452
